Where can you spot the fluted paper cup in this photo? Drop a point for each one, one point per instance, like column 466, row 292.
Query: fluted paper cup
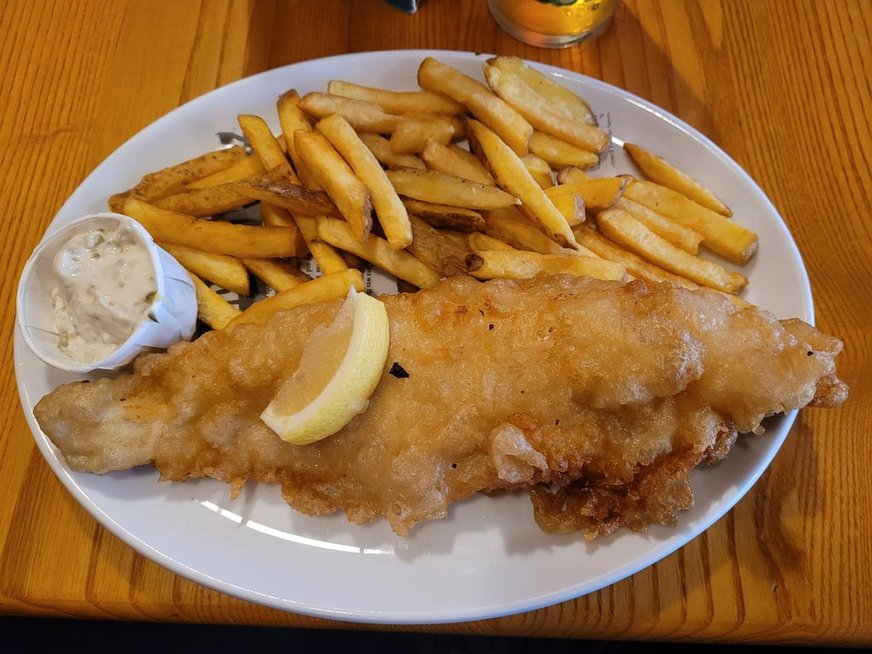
column 174, row 311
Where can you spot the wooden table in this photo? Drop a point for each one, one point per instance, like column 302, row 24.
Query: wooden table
column 782, row 85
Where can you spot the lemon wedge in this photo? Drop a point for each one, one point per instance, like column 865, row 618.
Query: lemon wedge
column 340, row 368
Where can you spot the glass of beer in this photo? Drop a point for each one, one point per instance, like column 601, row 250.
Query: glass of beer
column 553, row 23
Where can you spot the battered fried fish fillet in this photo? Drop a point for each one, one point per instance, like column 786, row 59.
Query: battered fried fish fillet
column 599, row 397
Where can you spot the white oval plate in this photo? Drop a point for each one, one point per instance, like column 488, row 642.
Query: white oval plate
column 487, row 558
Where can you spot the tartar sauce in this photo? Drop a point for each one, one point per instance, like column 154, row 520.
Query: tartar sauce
column 107, row 287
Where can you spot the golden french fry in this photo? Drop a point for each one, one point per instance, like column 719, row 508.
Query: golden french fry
column 622, row 228
column 540, row 112
column 597, row 193
column 467, row 156
column 275, row 216
column 635, row 265
column 558, row 152
column 211, row 235
column 377, row 251
column 679, row 235
column 242, row 169
column 351, row 196
column 212, row 309
column 391, row 212
column 510, row 226
column 440, row 188
column 561, row 98
column 439, row 251
column 381, row 148
column 511, row 174
column 202, row 202
column 265, row 145
column 292, row 118
column 327, row 258
column 326, row 288
column 571, row 205
column 540, row 170
column 397, row 102
column 477, row 241
column 278, row 275
column 481, row 102
column 444, row 216
column 447, row 160
column 719, row 234
column 518, row 264
column 412, row 134
column 227, row 272
column 570, row 175
column 363, row 116
column 156, row 185
column 661, row 171
column 296, row 198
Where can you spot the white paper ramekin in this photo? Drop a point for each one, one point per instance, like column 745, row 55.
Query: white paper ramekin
column 174, row 309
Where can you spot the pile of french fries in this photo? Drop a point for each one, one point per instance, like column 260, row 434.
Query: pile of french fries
column 362, row 173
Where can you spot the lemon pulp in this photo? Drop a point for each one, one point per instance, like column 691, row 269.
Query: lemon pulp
column 339, row 370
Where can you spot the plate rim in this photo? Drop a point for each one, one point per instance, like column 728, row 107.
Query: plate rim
column 66, row 476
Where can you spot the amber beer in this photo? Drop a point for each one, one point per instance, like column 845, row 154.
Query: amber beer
column 553, row 23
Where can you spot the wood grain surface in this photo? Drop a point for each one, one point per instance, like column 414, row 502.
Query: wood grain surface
column 782, row 85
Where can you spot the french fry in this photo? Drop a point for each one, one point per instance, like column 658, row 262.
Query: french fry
column 361, row 115
column 327, row 258
column 447, row 160
column 326, row 288
column 391, row 212
column 227, row 272
column 275, row 216
column 440, row 188
column 377, row 251
column 156, row 185
column 540, row 112
column 623, row 229
column 560, row 153
column 412, row 134
column 265, row 145
column 597, row 193
column 510, row 226
column 292, row 118
column 438, row 251
column 481, row 102
column 212, row 309
column 679, row 235
column 276, row 274
column 564, row 100
column 661, row 171
column 381, row 148
column 719, row 234
column 477, row 241
column 211, row 236
column 444, row 216
column 635, row 265
column 540, row 170
column 571, row 205
column 351, row 196
column 398, row 102
column 511, row 174
column 571, row 174
column 202, row 202
column 518, row 264
column 242, row 169
column 296, row 198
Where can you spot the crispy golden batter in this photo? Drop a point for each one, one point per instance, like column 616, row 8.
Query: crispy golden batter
column 599, row 397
